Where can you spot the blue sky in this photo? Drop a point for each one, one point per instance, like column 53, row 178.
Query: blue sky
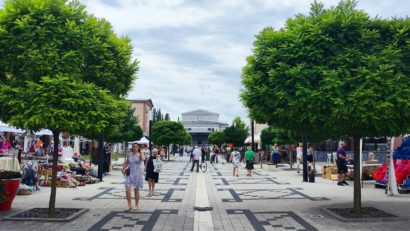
column 191, row 52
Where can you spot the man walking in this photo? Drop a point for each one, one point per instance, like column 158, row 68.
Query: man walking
column 196, row 157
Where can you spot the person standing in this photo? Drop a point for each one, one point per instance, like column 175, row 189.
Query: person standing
column 249, row 157
column 341, row 164
column 235, row 159
column 275, row 154
column 299, row 156
column 197, row 153
column 151, row 175
column 162, row 153
column 310, row 158
column 30, row 174
column 132, row 171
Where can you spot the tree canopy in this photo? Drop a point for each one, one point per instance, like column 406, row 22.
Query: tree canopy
column 167, row 132
column 335, row 70
column 57, row 37
column 129, row 129
column 236, row 133
column 271, row 135
column 216, row 137
column 61, row 104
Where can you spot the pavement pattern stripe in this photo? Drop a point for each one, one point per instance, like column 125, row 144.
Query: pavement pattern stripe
column 202, row 219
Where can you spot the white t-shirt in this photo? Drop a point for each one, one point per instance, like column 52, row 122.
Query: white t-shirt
column 197, row 154
column 299, row 152
column 236, row 157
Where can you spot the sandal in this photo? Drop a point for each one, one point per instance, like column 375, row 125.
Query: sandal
column 128, row 210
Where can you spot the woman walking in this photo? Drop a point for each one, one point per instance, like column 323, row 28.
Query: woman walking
column 249, row 157
column 151, row 175
column 133, row 173
column 299, row 156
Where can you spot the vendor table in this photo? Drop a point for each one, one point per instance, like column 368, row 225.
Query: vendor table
column 350, row 167
column 9, row 164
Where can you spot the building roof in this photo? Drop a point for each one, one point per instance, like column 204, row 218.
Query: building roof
column 200, row 112
column 147, row 101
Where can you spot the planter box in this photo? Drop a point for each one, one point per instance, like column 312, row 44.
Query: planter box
column 11, row 187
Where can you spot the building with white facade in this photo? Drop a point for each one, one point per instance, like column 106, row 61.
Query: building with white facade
column 200, row 123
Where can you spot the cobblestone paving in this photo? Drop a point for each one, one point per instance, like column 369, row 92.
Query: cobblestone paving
column 269, row 200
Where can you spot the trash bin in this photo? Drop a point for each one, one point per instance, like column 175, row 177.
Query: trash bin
column 311, row 175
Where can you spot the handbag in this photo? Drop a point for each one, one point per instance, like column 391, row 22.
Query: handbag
column 157, row 165
column 127, row 171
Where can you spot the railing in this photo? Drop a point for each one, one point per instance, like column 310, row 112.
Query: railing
column 324, row 156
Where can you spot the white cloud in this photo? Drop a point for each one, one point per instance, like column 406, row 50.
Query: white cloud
column 176, row 88
column 226, row 52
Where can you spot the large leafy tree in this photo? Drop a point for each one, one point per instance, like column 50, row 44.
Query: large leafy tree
column 55, row 42
column 216, row 137
column 61, row 104
column 168, row 132
column 335, row 71
column 236, row 133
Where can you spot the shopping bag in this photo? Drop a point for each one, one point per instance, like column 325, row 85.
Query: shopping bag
column 157, row 165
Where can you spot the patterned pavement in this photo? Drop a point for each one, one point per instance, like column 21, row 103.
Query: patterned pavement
column 269, row 200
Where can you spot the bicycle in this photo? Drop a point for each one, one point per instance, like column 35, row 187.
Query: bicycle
column 203, row 166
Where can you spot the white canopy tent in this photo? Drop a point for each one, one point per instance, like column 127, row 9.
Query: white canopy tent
column 44, row 132
column 256, row 138
column 143, row 140
column 6, row 128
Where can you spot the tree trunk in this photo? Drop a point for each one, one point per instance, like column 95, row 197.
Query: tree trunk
column 91, row 153
column 304, row 159
column 125, row 147
column 52, row 203
column 357, row 192
column 101, row 157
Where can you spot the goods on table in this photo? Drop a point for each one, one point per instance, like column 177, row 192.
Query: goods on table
column 401, row 165
column 69, row 175
column 24, row 190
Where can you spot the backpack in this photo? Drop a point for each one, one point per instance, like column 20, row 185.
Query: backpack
column 30, row 173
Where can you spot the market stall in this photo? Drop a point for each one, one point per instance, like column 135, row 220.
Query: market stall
column 401, row 162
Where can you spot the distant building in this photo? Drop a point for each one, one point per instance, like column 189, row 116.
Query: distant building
column 143, row 111
column 200, row 123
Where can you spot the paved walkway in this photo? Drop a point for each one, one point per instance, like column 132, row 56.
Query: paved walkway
column 269, row 200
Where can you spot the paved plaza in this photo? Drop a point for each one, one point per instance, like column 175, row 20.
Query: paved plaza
column 269, row 200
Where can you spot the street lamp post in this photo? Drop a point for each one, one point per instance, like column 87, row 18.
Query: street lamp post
column 151, row 117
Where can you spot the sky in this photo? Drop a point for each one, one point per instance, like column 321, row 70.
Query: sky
column 191, row 52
